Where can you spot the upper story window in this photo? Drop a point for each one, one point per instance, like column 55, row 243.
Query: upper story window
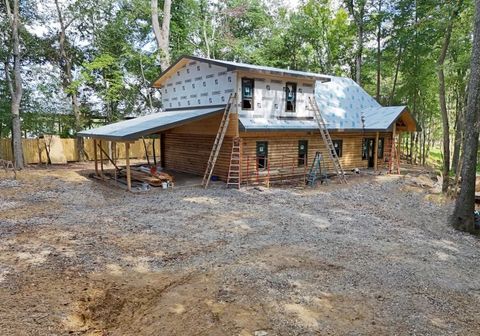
column 290, row 97
column 247, row 93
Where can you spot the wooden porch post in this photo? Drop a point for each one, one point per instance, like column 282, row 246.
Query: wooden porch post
column 375, row 153
column 399, row 147
column 101, row 158
column 127, row 156
column 114, row 158
column 95, row 157
column 162, row 150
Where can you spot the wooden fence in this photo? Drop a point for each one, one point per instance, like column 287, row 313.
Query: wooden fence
column 34, row 150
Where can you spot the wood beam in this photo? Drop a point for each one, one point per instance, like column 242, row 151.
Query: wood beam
column 101, row 159
column 95, row 157
column 399, row 147
column 129, row 176
column 375, row 152
column 112, row 161
column 162, row 150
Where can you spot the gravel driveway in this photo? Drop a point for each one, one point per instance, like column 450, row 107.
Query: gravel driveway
column 375, row 257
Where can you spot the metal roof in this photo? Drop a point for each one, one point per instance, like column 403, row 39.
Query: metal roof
column 230, row 66
column 342, row 103
column 262, row 68
column 376, row 119
column 135, row 128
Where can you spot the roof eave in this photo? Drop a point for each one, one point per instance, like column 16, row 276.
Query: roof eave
column 405, row 110
column 136, row 135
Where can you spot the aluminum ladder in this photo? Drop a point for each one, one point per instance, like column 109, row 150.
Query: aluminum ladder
column 327, row 140
column 234, row 170
column 217, row 144
column 316, row 171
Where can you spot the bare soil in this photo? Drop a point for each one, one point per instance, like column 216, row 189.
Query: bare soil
column 375, row 257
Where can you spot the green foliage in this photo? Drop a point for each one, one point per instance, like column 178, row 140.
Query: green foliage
column 113, row 52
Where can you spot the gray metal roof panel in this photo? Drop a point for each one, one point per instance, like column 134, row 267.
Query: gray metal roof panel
column 230, row 65
column 149, row 124
column 376, row 119
column 263, row 68
column 343, row 103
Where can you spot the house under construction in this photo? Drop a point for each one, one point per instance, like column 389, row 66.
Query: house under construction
column 247, row 123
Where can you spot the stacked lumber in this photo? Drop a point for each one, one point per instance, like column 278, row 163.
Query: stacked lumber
column 155, row 179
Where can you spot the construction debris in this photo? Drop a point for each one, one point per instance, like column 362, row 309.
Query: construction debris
column 150, row 176
column 8, row 166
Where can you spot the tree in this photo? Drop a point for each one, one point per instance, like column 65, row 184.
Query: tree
column 462, row 217
column 14, row 81
column 357, row 10
column 162, row 35
column 66, row 60
column 442, row 94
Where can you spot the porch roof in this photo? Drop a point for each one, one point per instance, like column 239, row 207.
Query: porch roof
column 132, row 129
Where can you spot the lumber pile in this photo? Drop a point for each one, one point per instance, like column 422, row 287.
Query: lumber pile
column 155, row 179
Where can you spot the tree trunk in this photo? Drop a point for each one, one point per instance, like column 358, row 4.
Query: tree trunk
column 395, row 77
column 15, row 84
column 358, row 58
column 446, row 130
column 458, row 140
column 66, row 68
column 358, row 16
column 379, row 50
column 462, row 217
column 442, row 98
column 162, row 35
column 78, row 127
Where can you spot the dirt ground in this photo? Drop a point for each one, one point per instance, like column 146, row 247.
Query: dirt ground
column 375, row 257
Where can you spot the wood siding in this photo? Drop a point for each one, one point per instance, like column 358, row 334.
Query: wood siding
column 208, row 126
column 283, row 152
column 187, row 149
column 189, row 153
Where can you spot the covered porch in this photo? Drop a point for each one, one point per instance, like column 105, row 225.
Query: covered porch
column 124, row 133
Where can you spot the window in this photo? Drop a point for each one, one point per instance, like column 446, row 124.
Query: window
column 302, row 152
column 368, row 148
column 364, row 149
column 262, row 154
column 381, row 142
column 247, row 93
column 291, row 96
column 338, row 145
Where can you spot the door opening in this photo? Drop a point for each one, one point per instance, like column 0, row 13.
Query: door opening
column 368, row 151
